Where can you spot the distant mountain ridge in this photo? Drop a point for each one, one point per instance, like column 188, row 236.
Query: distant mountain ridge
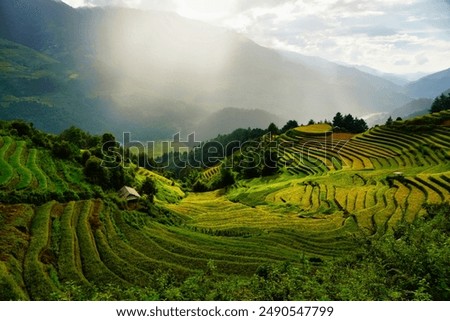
column 226, row 120
column 157, row 73
column 430, row 86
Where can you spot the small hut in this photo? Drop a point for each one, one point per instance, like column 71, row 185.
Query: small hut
column 129, row 194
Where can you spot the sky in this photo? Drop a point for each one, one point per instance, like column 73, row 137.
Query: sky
column 393, row 36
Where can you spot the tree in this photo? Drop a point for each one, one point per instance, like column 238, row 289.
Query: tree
column 226, row 177
column 75, row 136
column 249, row 168
column 291, row 124
column 109, row 141
column 23, row 128
column 389, row 121
column 149, row 187
column 116, row 177
column 273, row 129
column 338, row 120
column 95, row 172
column 311, row 122
column 85, row 156
column 360, row 126
column 199, row 187
column 65, row 150
column 270, row 163
column 349, row 123
column 441, row 103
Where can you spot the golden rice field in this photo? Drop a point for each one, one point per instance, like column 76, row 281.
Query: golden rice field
column 328, row 190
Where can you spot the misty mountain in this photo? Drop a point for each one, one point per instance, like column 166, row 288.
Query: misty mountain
column 38, row 88
column 400, row 80
column 327, row 67
column 417, row 107
column 366, row 89
column 155, row 73
column 430, row 86
column 226, row 120
column 414, row 108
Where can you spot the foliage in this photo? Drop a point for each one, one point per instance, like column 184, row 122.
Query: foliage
column 291, row 124
column 273, row 129
column 95, row 172
column 149, row 188
column 411, row 264
column 441, row 103
column 389, row 121
column 226, row 177
column 349, row 124
column 79, row 138
column 65, row 150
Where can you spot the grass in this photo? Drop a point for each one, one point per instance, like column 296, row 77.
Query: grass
column 36, row 273
column 10, row 290
column 41, row 178
column 168, row 190
column 69, row 262
column 315, row 129
column 6, row 171
column 23, row 172
column 94, row 268
column 55, row 182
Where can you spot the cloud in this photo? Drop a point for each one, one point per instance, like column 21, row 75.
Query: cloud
column 421, row 59
column 376, row 33
column 102, row 3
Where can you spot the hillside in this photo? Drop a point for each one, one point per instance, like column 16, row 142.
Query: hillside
column 229, row 119
column 173, row 71
column 65, row 234
column 36, row 87
column 430, row 86
column 364, row 87
column 417, row 107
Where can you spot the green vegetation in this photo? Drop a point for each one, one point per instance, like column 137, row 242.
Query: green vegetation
column 349, row 124
column 325, row 216
column 37, row 274
column 441, row 103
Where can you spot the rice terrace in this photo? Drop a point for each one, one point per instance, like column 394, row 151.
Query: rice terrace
column 61, row 233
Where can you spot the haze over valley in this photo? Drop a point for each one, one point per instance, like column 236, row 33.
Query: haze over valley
column 156, row 73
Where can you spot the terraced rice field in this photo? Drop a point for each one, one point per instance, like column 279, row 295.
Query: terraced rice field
column 30, row 169
column 19, row 168
column 330, row 189
column 89, row 242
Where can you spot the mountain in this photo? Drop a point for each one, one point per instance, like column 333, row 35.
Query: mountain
column 36, row 87
column 400, row 80
column 414, row 108
column 156, row 73
column 417, row 107
column 226, row 120
column 430, row 86
column 364, row 88
column 356, row 72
